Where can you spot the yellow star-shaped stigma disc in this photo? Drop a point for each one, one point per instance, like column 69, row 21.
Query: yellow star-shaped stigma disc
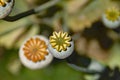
column 60, row 40
column 112, row 14
column 2, row 3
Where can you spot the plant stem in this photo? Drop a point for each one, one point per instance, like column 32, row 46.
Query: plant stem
column 32, row 11
column 46, row 5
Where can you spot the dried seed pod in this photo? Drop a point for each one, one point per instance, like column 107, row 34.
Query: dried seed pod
column 34, row 54
column 61, row 45
column 5, row 7
column 111, row 18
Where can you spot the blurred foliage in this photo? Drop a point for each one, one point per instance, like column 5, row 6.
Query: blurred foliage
column 58, row 70
column 79, row 17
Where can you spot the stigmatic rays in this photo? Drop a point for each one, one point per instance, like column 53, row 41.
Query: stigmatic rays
column 112, row 14
column 111, row 18
column 61, row 45
column 60, row 41
column 5, row 7
column 2, row 3
column 34, row 53
column 35, row 49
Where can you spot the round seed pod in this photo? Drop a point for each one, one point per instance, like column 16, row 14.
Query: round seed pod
column 5, row 7
column 111, row 18
column 61, row 45
column 34, row 53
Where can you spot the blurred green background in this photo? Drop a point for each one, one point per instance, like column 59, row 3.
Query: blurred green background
column 75, row 16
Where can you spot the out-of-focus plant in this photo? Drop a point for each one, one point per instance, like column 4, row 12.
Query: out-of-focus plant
column 81, row 19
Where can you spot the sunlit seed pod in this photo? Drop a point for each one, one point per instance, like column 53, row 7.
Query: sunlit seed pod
column 5, row 7
column 61, row 45
column 111, row 18
column 34, row 53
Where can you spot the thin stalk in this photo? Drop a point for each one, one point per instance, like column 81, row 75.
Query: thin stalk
column 32, row 11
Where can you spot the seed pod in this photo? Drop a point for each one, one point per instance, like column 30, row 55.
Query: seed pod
column 111, row 18
column 61, row 45
column 5, row 7
column 34, row 53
